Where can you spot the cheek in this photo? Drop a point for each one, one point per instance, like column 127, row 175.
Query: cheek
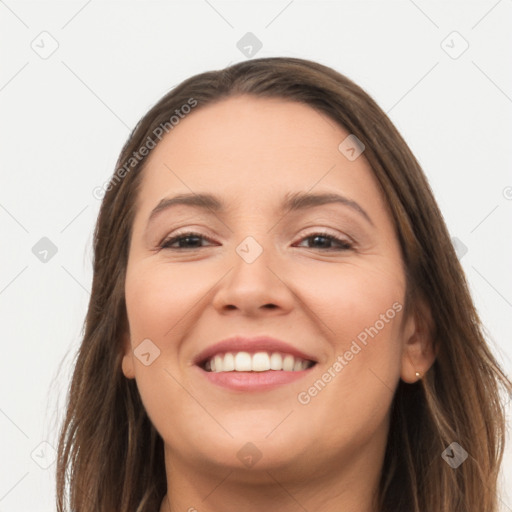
column 158, row 301
column 353, row 297
column 158, row 298
column 360, row 308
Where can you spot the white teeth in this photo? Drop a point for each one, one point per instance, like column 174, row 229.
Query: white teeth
column 288, row 363
column 260, row 362
column 217, row 362
column 243, row 362
column 257, row 362
column 297, row 366
column 228, row 364
column 276, row 361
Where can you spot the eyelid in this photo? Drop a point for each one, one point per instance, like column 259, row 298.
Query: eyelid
column 328, row 231
column 341, row 240
column 182, row 234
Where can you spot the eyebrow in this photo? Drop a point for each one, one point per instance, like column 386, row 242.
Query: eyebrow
column 293, row 201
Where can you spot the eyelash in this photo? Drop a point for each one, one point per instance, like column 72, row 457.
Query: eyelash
column 345, row 245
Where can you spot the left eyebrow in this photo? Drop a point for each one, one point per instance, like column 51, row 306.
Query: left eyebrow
column 301, row 200
column 292, row 202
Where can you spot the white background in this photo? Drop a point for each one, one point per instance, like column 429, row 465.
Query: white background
column 64, row 119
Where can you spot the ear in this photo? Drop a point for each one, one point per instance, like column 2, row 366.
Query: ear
column 127, row 361
column 418, row 353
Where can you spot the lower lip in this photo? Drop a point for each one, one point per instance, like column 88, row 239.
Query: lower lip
column 253, row 381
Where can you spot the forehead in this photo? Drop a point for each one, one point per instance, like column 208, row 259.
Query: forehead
column 251, row 149
column 247, row 126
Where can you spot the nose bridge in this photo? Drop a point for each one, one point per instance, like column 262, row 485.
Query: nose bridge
column 254, row 279
column 254, row 240
column 253, row 256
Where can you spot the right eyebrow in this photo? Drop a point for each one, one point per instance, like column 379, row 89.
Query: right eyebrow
column 204, row 201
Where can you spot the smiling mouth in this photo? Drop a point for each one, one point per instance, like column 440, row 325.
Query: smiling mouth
column 256, row 362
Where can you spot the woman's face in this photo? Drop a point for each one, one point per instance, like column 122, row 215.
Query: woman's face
column 324, row 277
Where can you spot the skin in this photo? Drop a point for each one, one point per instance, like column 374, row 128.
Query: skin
column 324, row 455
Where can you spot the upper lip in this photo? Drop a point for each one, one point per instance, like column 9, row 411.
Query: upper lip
column 251, row 345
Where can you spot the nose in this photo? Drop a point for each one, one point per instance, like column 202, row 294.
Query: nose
column 254, row 288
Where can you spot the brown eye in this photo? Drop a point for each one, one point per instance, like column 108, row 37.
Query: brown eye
column 188, row 240
column 325, row 241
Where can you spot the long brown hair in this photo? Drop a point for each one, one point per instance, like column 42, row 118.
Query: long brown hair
column 110, row 457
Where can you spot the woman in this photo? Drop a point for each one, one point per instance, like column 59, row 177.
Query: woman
column 278, row 319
